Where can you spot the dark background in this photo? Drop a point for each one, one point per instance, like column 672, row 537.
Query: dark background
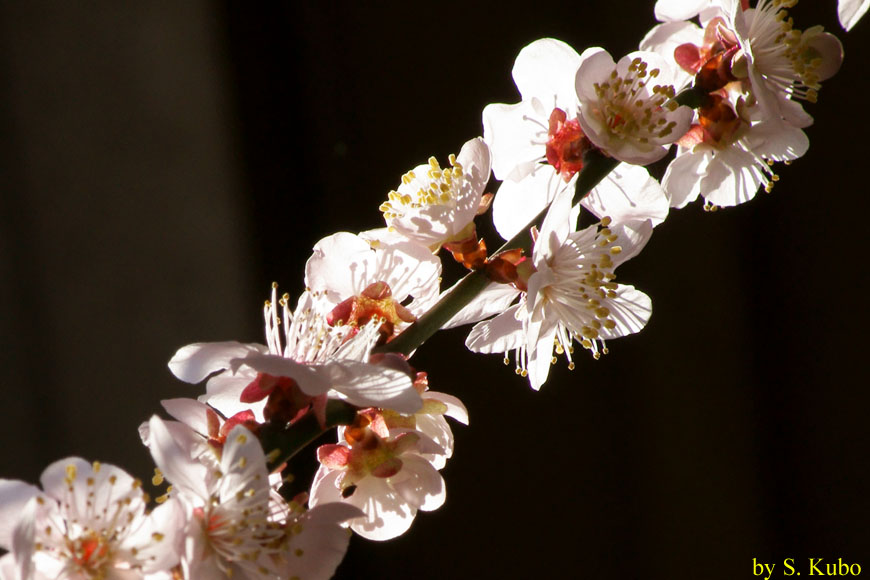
column 164, row 162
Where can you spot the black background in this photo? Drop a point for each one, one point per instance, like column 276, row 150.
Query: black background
column 164, row 164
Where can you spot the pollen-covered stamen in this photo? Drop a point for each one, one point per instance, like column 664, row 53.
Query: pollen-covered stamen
column 371, row 452
column 99, row 508
column 235, row 521
column 89, row 553
column 238, row 534
column 593, row 272
column 625, row 111
column 374, row 303
column 439, row 186
column 308, row 337
column 566, row 144
column 791, row 61
column 581, row 294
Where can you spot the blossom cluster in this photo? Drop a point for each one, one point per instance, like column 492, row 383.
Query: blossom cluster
column 717, row 85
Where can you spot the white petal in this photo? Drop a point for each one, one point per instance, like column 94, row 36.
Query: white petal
column 596, row 66
column 223, row 392
column 14, row 495
column 410, row 269
column 513, row 138
column 476, row 164
column 92, row 485
column 555, row 227
column 155, row 542
column 630, row 310
column 682, row 180
column 663, row 39
column 23, row 539
column 191, row 412
column 455, row 408
column 517, row 203
column 545, row 69
column 778, row 141
column 243, row 465
column 492, row 300
column 628, row 193
column 387, row 514
column 436, row 428
column 186, row 438
column 419, row 483
column 309, row 377
column 174, row 461
column 670, row 10
column 367, row 385
column 733, row 177
column 830, row 50
column 500, row 334
column 850, row 11
column 632, row 238
column 9, row 569
column 540, row 355
column 194, row 362
column 318, row 547
column 338, row 266
column 324, row 487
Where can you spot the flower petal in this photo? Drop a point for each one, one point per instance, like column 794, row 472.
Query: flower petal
column 851, row 11
column 175, row 463
column 545, row 69
column 14, row 495
column 194, row 362
column 500, row 334
column 492, row 300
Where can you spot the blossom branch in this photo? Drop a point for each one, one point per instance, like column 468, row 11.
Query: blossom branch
column 596, row 166
column 282, row 442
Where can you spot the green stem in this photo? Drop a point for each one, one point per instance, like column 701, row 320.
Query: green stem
column 289, row 440
column 691, row 97
column 595, row 167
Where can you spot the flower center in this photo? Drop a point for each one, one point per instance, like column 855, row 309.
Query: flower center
column 90, row 553
column 439, row 186
column 785, row 57
column 565, row 145
column 376, row 302
column 627, row 114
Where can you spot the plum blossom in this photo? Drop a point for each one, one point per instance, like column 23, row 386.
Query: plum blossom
column 88, row 521
column 236, row 526
column 435, row 205
column 538, row 144
column 385, row 475
column 726, row 158
column 627, row 109
column 366, row 276
column 317, row 358
column 540, row 133
column 567, row 292
column 757, row 48
column 199, row 427
column 781, row 62
column 386, row 463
